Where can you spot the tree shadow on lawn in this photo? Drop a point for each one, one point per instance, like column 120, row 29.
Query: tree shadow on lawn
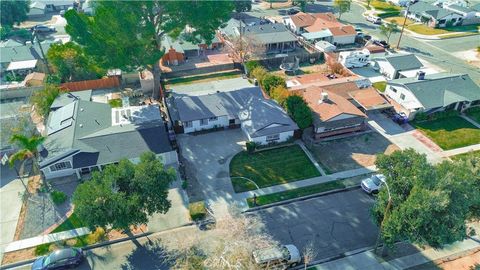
column 454, row 123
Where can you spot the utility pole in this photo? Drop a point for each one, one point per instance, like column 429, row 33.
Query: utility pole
column 35, row 36
column 403, row 25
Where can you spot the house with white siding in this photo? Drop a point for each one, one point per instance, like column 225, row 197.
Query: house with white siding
column 431, row 93
column 233, row 103
column 392, row 65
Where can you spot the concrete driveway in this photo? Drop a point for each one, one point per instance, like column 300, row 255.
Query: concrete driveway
column 207, row 159
column 335, row 223
column 11, row 191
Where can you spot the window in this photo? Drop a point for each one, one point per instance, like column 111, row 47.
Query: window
column 188, row 124
column 231, row 121
column 402, row 96
column 273, row 137
column 393, row 89
column 441, row 21
column 60, row 166
column 212, row 119
column 203, row 122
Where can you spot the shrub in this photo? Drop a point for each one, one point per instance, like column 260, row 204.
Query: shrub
column 258, row 73
column 197, row 210
column 444, row 114
column 389, row 14
column 421, row 116
column 251, row 65
column 58, row 197
column 473, row 110
column 280, row 94
column 251, row 146
column 271, row 81
column 43, row 99
column 42, row 249
column 184, row 184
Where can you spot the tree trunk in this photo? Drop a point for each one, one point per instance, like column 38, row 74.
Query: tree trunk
column 156, row 81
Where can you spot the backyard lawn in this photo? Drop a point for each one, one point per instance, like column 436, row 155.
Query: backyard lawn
column 204, row 78
column 450, row 133
column 270, row 167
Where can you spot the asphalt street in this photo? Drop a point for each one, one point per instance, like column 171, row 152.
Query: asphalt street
column 335, row 223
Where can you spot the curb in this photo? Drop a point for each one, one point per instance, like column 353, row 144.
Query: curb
column 334, row 258
column 98, row 245
column 303, row 198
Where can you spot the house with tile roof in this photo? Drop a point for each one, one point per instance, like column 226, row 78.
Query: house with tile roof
column 434, row 16
column 430, row 93
column 332, row 113
column 227, row 104
column 320, row 26
column 84, row 136
column 392, row 65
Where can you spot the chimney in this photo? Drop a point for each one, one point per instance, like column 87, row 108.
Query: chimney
column 323, row 98
column 421, row 75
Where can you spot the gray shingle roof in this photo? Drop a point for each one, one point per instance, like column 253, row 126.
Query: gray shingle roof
column 92, row 132
column 429, row 10
column 263, row 117
column 23, row 53
column 441, row 89
column 269, row 33
column 402, row 62
column 67, row 98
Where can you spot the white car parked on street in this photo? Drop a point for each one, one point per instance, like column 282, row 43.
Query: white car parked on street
column 373, row 183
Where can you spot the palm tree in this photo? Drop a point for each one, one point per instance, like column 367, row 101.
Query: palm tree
column 28, row 149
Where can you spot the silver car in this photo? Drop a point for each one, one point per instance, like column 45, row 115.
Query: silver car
column 373, row 183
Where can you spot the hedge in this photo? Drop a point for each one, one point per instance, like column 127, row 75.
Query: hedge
column 197, row 210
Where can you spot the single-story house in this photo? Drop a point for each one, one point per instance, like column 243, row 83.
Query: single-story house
column 84, row 136
column 275, row 38
column 57, row 5
column 320, row 26
column 434, row 16
column 430, row 93
column 332, row 113
column 230, row 103
column 391, row 65
column 37, row 9
column 178, row 50
column 17, row 57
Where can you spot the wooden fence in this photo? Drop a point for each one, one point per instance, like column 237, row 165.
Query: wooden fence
column 110, row 82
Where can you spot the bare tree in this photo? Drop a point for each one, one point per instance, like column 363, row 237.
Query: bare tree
column 309, row 254
column 228, row 246
column 245, row 48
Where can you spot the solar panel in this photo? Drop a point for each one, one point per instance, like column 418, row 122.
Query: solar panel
column 61, row 118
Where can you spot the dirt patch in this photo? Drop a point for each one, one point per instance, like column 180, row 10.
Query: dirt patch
column 470, row 56
column 21, row 255
column 352, row 152
column 266, row 4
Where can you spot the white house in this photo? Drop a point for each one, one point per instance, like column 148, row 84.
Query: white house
column 37, row 9
column 263, row 121
column 430, row 93
column 391, row 65
column 434, row 16
column 83, row 136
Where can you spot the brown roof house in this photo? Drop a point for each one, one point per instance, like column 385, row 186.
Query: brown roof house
column 321, row 26
column 332, row 113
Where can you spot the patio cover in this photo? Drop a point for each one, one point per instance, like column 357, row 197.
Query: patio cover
column 22, row 65
column 315, row 35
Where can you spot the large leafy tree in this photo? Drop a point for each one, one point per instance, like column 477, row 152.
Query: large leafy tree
column 71, row 63
column 342, row 6
column 299, row 111
column 431, row 204
column 128, row 34
column 13, row 12
column 242, row 5
column 124, row 195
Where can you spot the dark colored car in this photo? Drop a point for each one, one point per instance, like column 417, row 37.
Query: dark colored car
column 39, row 28
column 60, row 259
column 382, row 43
column 293, row 11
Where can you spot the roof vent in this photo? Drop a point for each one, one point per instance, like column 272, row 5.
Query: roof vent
column 421, row 75
column 81, row 125
column 323, row 98
column 81, row 109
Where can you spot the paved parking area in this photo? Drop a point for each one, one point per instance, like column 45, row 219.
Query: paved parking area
column 207, row 158
column 335, row 223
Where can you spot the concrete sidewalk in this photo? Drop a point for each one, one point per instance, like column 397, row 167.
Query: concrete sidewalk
column 305, row 183
column 368, row 260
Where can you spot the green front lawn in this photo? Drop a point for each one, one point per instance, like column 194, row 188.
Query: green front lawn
column 380, row 86
column 71, row 223
column 426, row 30
column 271, row 167
column 475, row 154
column 450, row 133
column 305, row 191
